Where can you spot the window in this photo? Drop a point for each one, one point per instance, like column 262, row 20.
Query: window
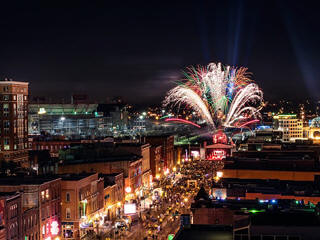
column 42, row 195
column 5, row 97
column 68, row 197
column 6, row 143
column 47, row 194
column 68, row 213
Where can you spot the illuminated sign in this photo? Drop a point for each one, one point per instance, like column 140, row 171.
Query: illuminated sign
column 219, row 193
column 218, row 154
column 54, row 228
column 195, row 154
column 220, row 137
column 130, row 208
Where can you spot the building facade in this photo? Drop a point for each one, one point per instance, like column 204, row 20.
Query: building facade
column 14, row 121
column 167, row 144
column 156, row 163
column 81, row 204
column 40, row 205
column 10, row 216
column 290, row 125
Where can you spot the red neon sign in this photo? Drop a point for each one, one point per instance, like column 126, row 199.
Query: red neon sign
column 218, row 154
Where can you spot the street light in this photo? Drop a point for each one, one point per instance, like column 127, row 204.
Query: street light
column 219, row 174
column 128, row 189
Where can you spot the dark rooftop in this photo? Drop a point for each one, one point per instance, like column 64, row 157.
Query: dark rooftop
column 26, row 180
column 7, row 194
column 274, row 164
column 75, row 177
column 285, row 219
column 205, row 232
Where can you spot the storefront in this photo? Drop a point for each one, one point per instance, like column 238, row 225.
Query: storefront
column 68, row 230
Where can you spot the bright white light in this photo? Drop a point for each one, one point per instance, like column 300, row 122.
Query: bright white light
column 219, row 174
column 130, row 208
column 128, row 189
column 42, row 111
column 62, row 118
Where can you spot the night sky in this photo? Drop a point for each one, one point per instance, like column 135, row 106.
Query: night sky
column 137, row 49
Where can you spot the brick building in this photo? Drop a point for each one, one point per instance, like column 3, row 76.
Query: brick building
column 14, row 121
column 113, row 194
column 81, row 203
column 40, row 204
column 167, row 144
column 10, row 215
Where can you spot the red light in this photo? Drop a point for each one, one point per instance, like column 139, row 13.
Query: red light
column 218, row 155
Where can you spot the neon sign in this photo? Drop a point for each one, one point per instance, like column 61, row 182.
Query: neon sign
column 54, row 228
column 220, row 137
column 218, row 154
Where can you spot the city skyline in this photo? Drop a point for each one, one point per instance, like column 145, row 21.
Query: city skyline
column 138, row 50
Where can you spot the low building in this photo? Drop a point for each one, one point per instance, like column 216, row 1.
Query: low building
column 194, row 231
column 103, row 158
column 40, row 202
column 113, row 195
column 81, row 204
column 140, row 149
column 10, row 216
column 302, row 225
column 167, row 148
column 156, row 162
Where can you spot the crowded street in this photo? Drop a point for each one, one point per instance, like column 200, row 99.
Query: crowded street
column 176, row 193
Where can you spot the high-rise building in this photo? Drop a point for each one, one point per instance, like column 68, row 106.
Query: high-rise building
column 14, row 121
column 291, row 126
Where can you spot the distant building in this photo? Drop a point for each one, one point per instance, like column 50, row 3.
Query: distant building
column 167, row 147
column 69, row 120
column 290, row 125
column 14, row 121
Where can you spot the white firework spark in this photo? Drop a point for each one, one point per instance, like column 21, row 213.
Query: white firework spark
column 214, row 89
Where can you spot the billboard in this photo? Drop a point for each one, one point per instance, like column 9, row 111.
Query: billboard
column 130, row 208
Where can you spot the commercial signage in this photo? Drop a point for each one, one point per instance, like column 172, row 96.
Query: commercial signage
column 130, row 208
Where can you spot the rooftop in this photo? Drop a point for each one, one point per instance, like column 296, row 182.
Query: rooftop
column 26, row 180
column 292, row 218
column 74, row 177
column 306, row 165
column 205, row 232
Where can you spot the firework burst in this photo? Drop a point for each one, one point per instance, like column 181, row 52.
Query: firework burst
column 222, row 95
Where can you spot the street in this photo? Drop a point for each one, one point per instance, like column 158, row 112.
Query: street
column 178, row 193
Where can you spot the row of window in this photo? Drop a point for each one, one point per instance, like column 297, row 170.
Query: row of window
column 14, row 97
column 30, row 222
column 13, row 211
column 45, row 211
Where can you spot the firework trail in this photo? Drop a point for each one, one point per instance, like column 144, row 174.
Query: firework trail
column 223, row 96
